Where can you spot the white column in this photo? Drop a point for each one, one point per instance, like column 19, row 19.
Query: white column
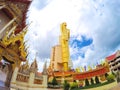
column 14, row 76
column 31, row 78
column 62, row 80
column 7, row 25
column 9, row 33
column 45, row 81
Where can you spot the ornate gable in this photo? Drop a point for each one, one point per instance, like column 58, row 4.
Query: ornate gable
column 20, row 8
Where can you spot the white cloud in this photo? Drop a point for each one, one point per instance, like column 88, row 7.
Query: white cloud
column 94, row 19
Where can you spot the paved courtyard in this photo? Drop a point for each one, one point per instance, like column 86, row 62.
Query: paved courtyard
column 112, row 86
column 39, row 89
column 115, row 88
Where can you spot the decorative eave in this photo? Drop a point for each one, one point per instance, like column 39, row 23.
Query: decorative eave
column 23, row 23
column 10, row 54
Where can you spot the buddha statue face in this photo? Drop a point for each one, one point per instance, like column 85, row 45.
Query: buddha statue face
column 64, row 26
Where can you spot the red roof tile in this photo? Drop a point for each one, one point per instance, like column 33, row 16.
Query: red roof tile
column 90, row 74
column 83, row 75
column 63, row 73
column 39, row 73
column 111, row 57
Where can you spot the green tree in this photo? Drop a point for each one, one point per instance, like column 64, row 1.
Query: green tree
column 74, row 85
column 113, row 73
column 92, row 81
column 118, row 76
column 97, row 80
column 66, row 85
column 54, row 81
column 106, row 74
column 110, row 77
column 86, row 82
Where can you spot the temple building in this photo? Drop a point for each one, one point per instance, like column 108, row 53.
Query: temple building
column 27, row 77
column 114, row 61
column 13, row 51
column 70, row 76
column 60, row 57
column 12, row 31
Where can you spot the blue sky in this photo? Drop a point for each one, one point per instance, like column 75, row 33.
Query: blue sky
column 79, row 44
column 94, row 29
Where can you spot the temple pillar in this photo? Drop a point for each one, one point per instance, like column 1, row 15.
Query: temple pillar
column 9, row 75
column 7, row 25
column 31, row 78
column 45, row 81
column 14, row 76
column 62, row 80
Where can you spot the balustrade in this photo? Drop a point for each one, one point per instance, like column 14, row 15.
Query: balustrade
column 22, row 77
column 38, row 81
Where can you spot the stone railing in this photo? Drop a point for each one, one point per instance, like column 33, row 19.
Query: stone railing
column 22, row 77
column 27, row 81
column 38, row 80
